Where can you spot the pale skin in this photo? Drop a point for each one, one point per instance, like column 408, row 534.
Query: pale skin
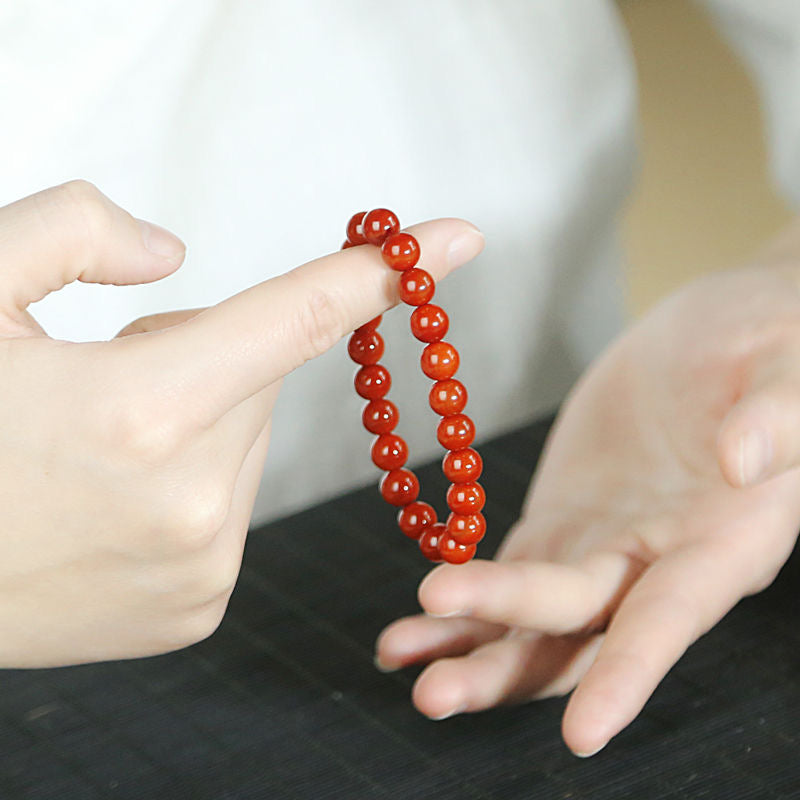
column 668, row 490
column 129, row 468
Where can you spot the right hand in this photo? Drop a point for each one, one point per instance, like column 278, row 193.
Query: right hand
column 129, row 468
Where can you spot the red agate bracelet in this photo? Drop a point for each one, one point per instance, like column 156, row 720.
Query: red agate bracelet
column 454, row 541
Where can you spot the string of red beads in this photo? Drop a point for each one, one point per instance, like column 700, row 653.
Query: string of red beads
column 455, row 540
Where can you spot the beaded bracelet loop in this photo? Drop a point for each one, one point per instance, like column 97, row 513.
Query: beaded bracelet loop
column 454, row 541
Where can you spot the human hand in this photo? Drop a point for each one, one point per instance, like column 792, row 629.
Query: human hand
column 667, row 491
column 129, row 468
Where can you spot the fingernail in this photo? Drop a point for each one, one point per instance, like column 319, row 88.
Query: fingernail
column 465, row 247
column 461, row 612
column 381, row 667
column 160, row 241
column 755, row 456
column 457, row 710
column 593, row 753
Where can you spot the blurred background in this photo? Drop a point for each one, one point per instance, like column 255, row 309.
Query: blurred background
column 704, row 199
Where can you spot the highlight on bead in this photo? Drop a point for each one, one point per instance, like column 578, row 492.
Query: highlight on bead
column 416, row 287
column 373, row 381
column 453, row 541
column 439, row 360
column 389, row 451
column 429, row 323
column 415, row 517
column 466, row 528
column 380, row 416
column 448, row 396
column 462, row 466
column 366, row 347
column 378, row 224
column 429, row 541
column 400, row 251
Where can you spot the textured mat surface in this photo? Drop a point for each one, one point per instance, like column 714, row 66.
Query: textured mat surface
column 283, row 701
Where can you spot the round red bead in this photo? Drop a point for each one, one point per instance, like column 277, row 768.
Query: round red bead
column 415, row 517
column 456, row 431
column 462, row 466
column 365, row 347
column 416, row 287
column 380, row 416
column 439, row 360
column 369, row 326
column 429, row 541
column 448, row 397
column 466, row 498
column 455, row 541
column 378, row 224
column 466, row 528
column 400, row 487
column 400, row 251
column 454, row 552
column 355, row 229
column 389, row 451
column 373, row 381
column 429, row 323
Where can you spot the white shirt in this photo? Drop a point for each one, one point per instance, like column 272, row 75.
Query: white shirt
column 236, row 123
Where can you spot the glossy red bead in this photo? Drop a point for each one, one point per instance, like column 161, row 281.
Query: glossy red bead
column 429, row 541
column 366, row 347
column 455, row 541
column 439, row 360
column 454, row 552
column 429, row 323
column 369, row 326
column 373, row 381
column 456, row 431
column 380, row 416
column 448, row 397
column 416, row 287
column 462, row 466
column 466, row 498
column 389, row 451
column 355, row 230
column 415, row 517
column 400, row 251
column 466, row 528
column 378, row 224
column 400, row 487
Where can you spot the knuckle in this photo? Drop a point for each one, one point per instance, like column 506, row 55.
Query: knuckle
column 318, row 324
column 144, row 434
column 198, row 516
column 222, row 577
column 87, row 210
column 763, row 580
column 200, row 624
column 212, row 576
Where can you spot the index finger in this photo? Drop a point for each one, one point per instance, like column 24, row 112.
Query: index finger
column 677, row 600
column 232, row 350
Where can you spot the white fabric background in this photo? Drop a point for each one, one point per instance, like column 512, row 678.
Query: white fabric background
column 254, row 130
column 767, row 36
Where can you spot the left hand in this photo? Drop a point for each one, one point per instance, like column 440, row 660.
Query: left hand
column 668, row 490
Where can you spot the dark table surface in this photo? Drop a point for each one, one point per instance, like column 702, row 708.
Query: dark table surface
column 284, row 702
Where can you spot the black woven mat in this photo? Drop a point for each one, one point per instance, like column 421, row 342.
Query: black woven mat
column 284, row 702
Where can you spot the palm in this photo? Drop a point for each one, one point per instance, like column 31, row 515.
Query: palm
column 632, row 541
column 635, row 449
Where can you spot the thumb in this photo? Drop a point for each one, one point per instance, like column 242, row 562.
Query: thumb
column 760, row 436
column 74, row 232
